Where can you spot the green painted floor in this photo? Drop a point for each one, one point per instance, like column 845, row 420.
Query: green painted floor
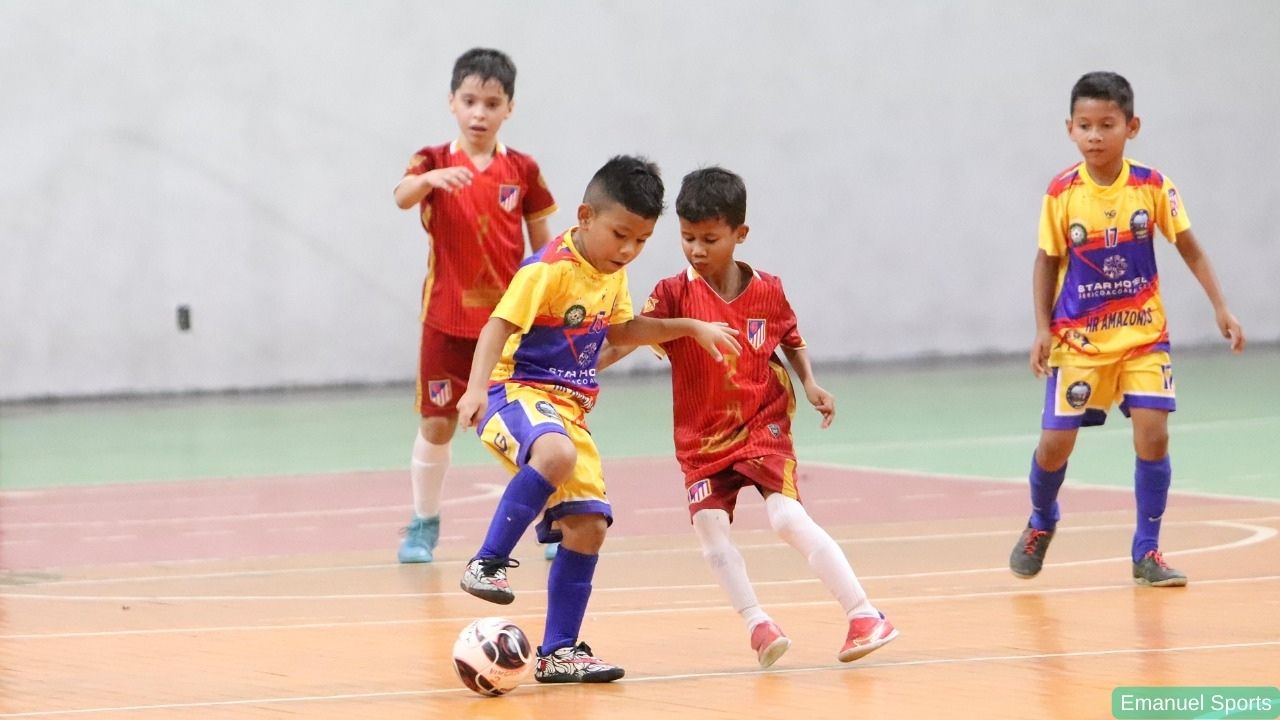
column 968, row 418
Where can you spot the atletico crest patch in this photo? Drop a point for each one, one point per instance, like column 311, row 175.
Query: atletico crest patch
column 439, row 392
column 755, row 333
column 699, row 491
column 509, row 197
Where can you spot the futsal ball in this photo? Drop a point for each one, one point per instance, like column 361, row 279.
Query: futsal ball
column 492, row 656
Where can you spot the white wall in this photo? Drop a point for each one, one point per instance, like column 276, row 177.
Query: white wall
column 240, row 156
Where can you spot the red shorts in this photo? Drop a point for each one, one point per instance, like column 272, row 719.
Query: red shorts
column 720, row 491
column 444, row 364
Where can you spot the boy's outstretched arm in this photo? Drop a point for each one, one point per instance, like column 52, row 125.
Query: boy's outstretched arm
column 1044, row 279
column 493, row 337
column 412, row 189
column 1196, row 259
column 610, row 354
column 715, row 338
column 821, row 400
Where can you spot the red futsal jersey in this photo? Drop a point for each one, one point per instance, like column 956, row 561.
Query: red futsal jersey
column 477, row 240
column 741, row 409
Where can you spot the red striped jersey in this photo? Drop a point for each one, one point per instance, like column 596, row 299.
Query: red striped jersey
column 477, row 240
column 742, row 409
column 1107, row 305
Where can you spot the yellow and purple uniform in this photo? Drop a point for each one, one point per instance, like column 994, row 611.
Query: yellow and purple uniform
column 546, row 378
column 1110, row 337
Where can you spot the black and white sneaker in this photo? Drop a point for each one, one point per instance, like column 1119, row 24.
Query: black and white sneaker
column 486, row 578
column 575, row 664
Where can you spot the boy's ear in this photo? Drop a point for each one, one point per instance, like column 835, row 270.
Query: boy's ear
column 1134, row 126
column 585, row 214
column 1068, row 127
column 740, row 233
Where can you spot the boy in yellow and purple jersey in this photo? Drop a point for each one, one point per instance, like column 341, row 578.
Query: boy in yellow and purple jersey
column 473, row 195
column 538, row 354
column 1100, row 325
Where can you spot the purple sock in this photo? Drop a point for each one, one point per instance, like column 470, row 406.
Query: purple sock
column 1151, row 491
column 568, row 590
column 523, row 499
column 1044, row 495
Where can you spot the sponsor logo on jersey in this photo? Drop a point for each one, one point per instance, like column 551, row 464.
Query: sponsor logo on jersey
column 509, row 197
column 440, row 392
column 1114, row 267
column 755, row 333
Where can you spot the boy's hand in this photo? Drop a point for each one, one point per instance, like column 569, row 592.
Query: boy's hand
column 450, row 178
column 471, row 407
column 1040, row 348
column 717, row 339
column 1230, row 329
column 822, row 401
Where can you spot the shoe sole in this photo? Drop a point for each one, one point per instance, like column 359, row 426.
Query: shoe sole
column 1023, row 575
column 1171, row 582
column 774, row 651
column 492, row 596
column 863, row 650
column 414, row 559
column 599, row 677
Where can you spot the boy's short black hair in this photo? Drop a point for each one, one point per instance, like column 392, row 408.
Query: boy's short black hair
column 712, row 192
column 486, row 64
column 1104, row 85
column 631, row 181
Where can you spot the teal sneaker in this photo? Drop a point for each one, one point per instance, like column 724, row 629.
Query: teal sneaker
column 549, row 550
column 420, row 538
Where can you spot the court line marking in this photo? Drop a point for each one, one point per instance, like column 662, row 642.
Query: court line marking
column 854, row 667
column 539, row 613
column 1075, row 483
column 646, row 551
column 487, row 491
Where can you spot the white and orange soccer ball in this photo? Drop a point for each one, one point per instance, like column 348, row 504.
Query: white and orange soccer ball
column 492, row 656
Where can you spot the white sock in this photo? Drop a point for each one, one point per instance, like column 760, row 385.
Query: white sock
column 793, row 524
column 426, row 475
column 712, row 528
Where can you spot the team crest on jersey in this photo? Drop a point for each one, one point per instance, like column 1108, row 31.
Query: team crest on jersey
column 439, row 392
column 1077, row 234
column 774, row 430
column 1140, row 225
column 509, row 197
column 574, row 316
column 1078, row 394
column 1115, row 266
column 1173, row 202
column 755, row 332
column 699, row 491
column 649, row 305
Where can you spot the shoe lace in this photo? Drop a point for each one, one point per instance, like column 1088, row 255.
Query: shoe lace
column 1158, row 559
column 1033, row 539
column 490, row 564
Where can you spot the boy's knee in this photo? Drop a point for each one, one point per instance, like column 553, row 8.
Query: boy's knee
column 554, row 456
column 583, row 533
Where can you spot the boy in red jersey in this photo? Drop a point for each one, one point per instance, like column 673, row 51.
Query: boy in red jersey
column 1100, row 324
column 472, row 195
column 734, row 430
column 538, row 351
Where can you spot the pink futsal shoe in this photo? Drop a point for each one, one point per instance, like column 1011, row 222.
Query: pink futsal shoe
column 866, row 634
column 768, row 642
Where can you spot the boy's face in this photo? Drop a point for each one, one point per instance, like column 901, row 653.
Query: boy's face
column 611, row 236
column 709, row 244
column 1099, row 129
column 480, row 109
